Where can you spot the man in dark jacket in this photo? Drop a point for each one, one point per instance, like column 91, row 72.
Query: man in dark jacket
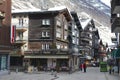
column 84, row 67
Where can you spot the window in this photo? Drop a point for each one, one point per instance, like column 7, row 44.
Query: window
column 77, row 41
column 65, row 47
column 65, row 35
column 58, row 32
column 66, row 27
column 73, row 41
column 58, row 23
column 45, row 34
column 21, row 21
column 58, row 35
column 19, row 36
column 58, row 45
column 75, row 27
column 45, row 22
column 45, row 46
column 77, row 34
column 73, row 33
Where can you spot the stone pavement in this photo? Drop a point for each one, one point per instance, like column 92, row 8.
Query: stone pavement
column 92, row 73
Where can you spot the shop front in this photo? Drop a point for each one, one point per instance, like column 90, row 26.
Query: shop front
column 48, row 62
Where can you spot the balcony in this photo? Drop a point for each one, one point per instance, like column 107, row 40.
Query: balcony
column 21, row 28
column 116, row 25
column 47, row 52
column 20, row 41
column 115, row 6
column 85, row 44
column 86, row 38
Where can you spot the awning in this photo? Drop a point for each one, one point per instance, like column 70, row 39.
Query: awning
column 49, row 56
column 116, row 53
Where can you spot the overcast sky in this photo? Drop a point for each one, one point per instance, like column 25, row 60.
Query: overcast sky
column 107, row 2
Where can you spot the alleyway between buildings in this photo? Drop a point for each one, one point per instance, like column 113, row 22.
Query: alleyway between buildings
column 92, row 73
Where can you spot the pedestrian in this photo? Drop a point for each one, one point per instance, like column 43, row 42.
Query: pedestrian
column 81, row 67
column 84, row 67
column 110, row 69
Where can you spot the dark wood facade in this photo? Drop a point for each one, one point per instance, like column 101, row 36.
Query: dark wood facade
column 46, row 33
column 47, row 38
column 36, row 28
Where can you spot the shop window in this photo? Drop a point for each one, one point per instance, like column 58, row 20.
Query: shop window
column 3, row 62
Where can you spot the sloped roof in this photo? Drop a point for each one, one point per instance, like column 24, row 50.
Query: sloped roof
column 62, row 9
column 84, row 23
column 84, row 19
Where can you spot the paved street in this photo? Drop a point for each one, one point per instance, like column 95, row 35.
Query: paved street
column 91, row 74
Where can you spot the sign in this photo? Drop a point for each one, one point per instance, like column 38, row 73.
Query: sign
column 13, row 29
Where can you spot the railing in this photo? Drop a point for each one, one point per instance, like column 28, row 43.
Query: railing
column 49, row 51
column 88, row 38
column 20, row 40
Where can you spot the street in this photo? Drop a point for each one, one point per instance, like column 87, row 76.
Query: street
column 92, row 73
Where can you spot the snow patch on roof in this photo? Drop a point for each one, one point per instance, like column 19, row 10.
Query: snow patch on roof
column 84, row 19
column 84, row 23
column 57, row 8
column 24, row 10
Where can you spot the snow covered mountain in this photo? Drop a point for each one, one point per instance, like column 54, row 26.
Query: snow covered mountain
column 95, row 8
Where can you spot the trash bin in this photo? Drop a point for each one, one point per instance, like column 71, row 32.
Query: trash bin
column 103, row 67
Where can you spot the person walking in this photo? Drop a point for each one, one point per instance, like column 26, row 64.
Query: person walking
column 84, row 67
column 81, row 67
column 110, row 69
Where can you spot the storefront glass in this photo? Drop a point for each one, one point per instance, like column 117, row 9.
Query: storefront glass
column 3, row 62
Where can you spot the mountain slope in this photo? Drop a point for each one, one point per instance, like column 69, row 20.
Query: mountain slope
column 95, row 8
